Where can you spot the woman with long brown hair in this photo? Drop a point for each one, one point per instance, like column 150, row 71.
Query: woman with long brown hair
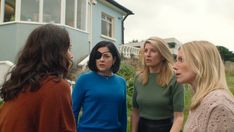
column 37, row 96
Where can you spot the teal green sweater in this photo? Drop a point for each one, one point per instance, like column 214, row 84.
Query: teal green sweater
column 155, row 102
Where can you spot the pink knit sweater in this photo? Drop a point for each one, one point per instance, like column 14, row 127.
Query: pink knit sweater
column 214, row 114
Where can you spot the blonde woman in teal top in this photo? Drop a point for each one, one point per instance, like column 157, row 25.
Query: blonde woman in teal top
column 158, row 101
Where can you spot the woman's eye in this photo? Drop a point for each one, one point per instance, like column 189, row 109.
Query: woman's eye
column 180, row 59
column 106, row 56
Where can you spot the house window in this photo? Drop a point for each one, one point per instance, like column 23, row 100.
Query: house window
column 9, row 13
column 70, row 13
column 29, row 10
column 52, row 11
column 107, row 25
column 81, row 14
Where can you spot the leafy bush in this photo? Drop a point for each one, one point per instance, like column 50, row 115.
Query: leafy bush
column 1, row 102
column 128, row 72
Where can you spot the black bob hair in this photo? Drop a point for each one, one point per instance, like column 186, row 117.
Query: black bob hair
column 113, row 50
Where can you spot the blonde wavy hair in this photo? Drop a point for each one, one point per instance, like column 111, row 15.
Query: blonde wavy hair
column 204, row 59
column 166, row 70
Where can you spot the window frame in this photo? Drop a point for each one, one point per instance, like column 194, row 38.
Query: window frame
column 3, row 8
column 112, row 27
column 62, row 14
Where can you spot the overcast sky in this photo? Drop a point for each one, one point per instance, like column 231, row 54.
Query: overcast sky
column 185, row 20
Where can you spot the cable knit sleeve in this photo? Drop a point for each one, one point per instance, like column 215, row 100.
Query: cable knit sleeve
column 214, row 114
column 221, row 119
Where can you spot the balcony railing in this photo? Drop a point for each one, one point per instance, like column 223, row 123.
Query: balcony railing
column 129, row 51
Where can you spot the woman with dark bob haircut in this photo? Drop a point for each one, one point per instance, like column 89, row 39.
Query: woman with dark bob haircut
column 36, row 96
column 101, row 93
column 113, row 50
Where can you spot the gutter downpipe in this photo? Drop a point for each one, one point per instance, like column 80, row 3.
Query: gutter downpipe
column 123, row 28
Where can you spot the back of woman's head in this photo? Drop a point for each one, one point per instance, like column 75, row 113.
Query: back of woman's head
column 113, row 50
column 204, row 59
column 45, row 53
column 166, row 70
column 46, row 50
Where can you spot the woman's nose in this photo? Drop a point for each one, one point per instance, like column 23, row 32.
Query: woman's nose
column 174, row 67
column 147, row 54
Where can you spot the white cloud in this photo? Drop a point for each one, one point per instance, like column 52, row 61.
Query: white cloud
column 186, row 20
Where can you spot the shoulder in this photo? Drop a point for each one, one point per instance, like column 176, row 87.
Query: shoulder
column 173, row 80
column 221, row 118
column 86, row 75
column 55, row 85
column 119, row 77
column 175, row 85
column 137, row 77
column 138, row 74
column 215, row 101
column 219, row 97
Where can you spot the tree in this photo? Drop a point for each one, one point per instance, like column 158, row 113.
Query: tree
column 225, row 53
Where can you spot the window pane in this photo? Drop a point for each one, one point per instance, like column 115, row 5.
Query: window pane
column 70, row 12
column 52, row 9
column 29, row 10
column 81, row 14
column 104, row 28
column 109, row 30
column 9, row 14
column 107, row 25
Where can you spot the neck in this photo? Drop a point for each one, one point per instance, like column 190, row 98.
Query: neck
column 154, row 69
column 107, row 73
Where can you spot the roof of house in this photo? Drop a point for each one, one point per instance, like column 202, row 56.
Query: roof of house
column 140, row 43
column 113, row 2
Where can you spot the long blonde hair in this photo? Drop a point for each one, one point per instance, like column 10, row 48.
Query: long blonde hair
column 166, row 70
column 205, row 60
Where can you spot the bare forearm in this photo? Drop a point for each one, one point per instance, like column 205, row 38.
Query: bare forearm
column 177, row 124
column 134, row 120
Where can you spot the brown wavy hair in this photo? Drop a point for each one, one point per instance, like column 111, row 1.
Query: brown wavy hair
column 44, row 54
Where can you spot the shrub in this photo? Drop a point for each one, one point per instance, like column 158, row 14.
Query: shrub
column 127, row 71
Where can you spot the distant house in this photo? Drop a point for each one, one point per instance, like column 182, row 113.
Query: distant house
column 133, row 48
column 87, row 21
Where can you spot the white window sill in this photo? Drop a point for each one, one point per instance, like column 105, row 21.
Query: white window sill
column 109, row 38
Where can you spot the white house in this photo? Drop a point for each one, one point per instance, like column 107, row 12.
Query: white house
column 133, row 48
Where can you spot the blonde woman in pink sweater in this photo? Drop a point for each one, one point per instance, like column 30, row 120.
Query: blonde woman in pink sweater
column 212, row 107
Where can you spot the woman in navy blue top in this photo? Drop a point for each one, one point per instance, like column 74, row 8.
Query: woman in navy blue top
column 99, row 96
